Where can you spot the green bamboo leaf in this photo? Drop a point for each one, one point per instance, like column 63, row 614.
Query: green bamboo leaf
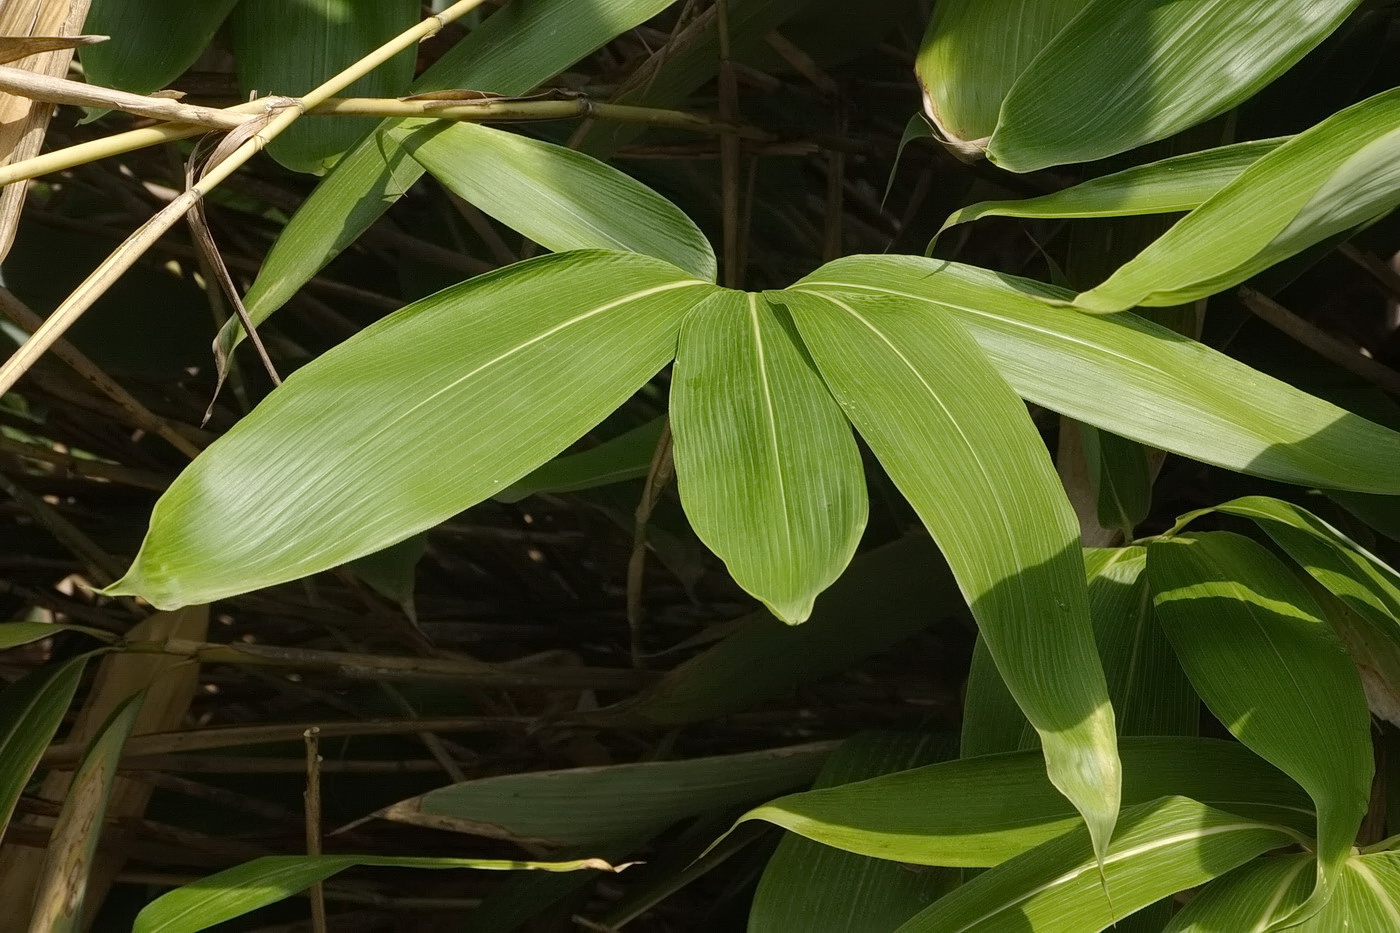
column 1181, row 183
column 906, row 582
column 393, row 571
column 971, row 56
column 627, row 456
column 58, row 898
column 1252, row 897
column 991, row 722
column 959, row 445
column 14, row 634
column 152, row 41
column 290, row 48
column 1254, row 644
column 31, row 710
column 1339, row 174
column 1368, row 590
column 979, row 812
column 601, row 805
column 483, row 382
column 1134, row 378
column 515, row 49
column 1162, row 847
column 1169, row 65
column 818, row 889
column 244, row 888
column 558, row 197
column 765, row 462
column 1120, row 477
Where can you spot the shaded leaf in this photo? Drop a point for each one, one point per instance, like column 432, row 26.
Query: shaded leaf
column 31, row 710
column 483, row 382
column 1250, row 897
column 558, row 197
column 152, row 41
column 765, row 462
column 1254, row 644
column 595, row 806
column 1134, row 378
column 627, row 456
column 959, row 445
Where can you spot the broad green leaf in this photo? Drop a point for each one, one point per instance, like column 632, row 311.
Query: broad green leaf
column 290, row 48
column 1369, row 590
column 1162, row 847
column 1127, row 72
column 595, row 806
column 959, row 445
column 627, row 456
column 14, row 634
column 1254, row 644
column 1336, row 175
column 972, row 54
column 889, row 594
column 979, row 812
column 1134, row 378
column 817, row 889
column 1181, row 183
column 419, row 416
column 765, row 462
column 244, row 888
column 517, row 47
column 58, row 899
column 1250, row 897
column 31, row 710
column 558, row 197
column 152, row 41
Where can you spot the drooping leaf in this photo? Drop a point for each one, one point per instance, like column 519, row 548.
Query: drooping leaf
column 31, row 710
column 627, row 456
column 290, row 48
column 979, row 812
column 818, row 889
column 765, row 462
column 1181, row 183
column 558, row 197
column 889, row 594
column 959, row 445
column 515, row 49
column 1162, row 847
column 1134, row 378
column 595, row 806
column 482, row 382
column 59, row 894
column 1254, row 644
column 152, row 41
column 1168, row 65
column 1336, row 175
column 244, row 888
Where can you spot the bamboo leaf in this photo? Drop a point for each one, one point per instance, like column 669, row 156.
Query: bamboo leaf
column 1134, row 378
column 1168, row 65
column 1181, row 183
column 512, row 51
column 244, row 888
column 1336, row 175
column 152, row 41
column 597, row 806
column 483, row 381
column 558, row 197
column 959, row 445
column 1251, row 897
column 31, row 710
column 979, row 812
column 1255, row 646
column 1163, row 847
column 766, row 465
column 817, row 889
column 290, row 48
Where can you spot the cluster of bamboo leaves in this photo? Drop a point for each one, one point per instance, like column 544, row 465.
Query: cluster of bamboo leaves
column 1080, row 782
